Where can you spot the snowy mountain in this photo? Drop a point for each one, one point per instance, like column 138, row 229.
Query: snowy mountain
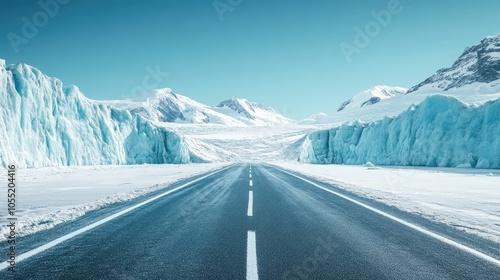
column 251, row 112
column 477, row 64
column 371, row 96
column 45, row 123
column 451, row 119
column 163, row 105
column 474, row 78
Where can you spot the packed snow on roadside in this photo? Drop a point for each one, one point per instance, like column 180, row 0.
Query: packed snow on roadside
column 467, row 199
column 52, row 195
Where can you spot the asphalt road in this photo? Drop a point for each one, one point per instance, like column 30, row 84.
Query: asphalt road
column 255, row 222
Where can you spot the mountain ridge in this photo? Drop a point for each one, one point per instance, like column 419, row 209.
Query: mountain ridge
column 477, row 64
column 474, row 78
column 164, row 105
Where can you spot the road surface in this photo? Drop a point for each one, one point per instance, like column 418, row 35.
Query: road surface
column 253, row 221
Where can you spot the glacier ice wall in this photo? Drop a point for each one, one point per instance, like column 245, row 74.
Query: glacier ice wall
column 441, row 131
column 44, row 123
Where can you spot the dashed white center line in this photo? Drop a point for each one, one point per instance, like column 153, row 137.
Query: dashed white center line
column 250, row 204
column 252, row 272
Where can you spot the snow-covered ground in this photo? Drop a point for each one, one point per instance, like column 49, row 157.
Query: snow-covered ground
column 468, row 199
column 250, row 143
column 52, row 195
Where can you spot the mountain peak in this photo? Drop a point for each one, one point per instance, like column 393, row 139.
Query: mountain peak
column 371, row 96
column 253, row 111
column 239, row 105
column 242, row 104
column 477, row 64
column 491, row 38
column 155, row 94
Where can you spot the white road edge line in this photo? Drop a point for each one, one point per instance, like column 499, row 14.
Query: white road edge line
column 250, row 183
column 250, row 204
column 31, row 253
column 252, row 272
column 443, row 239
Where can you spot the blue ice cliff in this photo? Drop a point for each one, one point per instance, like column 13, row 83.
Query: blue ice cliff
column 44, row 123
column 440, row 131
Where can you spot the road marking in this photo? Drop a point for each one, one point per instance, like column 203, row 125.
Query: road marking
column 252, row 272
column 250, row 175
column 68, row 236
column 250, row 204
column 250, row 183
column 443, row 239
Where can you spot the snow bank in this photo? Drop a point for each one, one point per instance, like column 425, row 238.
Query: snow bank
column 44, row 123
column 441, row 131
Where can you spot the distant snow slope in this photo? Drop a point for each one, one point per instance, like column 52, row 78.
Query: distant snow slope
column 163, row 105
column 44, row 123
column 314, row 119
column 247, row 143
column 441, row 131
column 371, row 96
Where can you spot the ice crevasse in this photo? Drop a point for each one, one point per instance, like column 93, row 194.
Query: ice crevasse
column 441, row 131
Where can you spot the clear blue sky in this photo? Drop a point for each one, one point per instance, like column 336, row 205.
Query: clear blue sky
column 285, row 54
